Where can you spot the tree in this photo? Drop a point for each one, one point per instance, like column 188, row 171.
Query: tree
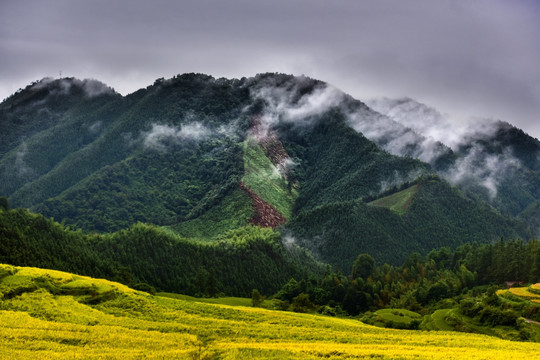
column 302, row 303
column 212, row 285
column 4, row 204
column 256, row 298
column 363, row 266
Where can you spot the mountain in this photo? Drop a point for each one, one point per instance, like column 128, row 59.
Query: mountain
column 490, row 159
column 202, row 158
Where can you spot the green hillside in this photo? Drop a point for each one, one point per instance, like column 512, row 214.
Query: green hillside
column 438, row 215
column 264, row 178
column 339, row 164
column 232, row 212
column 49, row 314
column 234, row 263
column 398, row 202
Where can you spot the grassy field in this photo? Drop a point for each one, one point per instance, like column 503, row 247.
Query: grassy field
column 264, row 179
column 52, row 315
column 398, row 202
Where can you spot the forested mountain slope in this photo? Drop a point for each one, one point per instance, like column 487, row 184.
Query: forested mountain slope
column 489, row 158
column 205, row 157
column 142, row 255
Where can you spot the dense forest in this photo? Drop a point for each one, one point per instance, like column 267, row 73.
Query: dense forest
column 148, row 256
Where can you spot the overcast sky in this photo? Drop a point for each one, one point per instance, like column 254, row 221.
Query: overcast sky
column 478, row 58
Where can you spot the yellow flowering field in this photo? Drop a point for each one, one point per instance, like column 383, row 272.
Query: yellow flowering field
column 55, row 315
column 525, row 292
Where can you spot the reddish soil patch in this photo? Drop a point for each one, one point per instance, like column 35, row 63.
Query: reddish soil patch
column 265, row 214
column 267, row 138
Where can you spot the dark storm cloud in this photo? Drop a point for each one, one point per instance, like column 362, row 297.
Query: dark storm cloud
column 463, row 57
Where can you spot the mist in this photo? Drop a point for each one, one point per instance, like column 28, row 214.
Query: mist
column 21, row 167
column 160, row 137
column 467, row 138
column 403, row 127
column 297, row 100
column 65, row 86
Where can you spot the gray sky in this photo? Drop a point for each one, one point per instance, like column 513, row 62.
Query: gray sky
column 479, row 58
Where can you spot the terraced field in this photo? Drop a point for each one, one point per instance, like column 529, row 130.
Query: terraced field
column 53, row 315
column 531, row 293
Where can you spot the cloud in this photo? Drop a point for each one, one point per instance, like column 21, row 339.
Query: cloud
column 466, row 137
column 96, row 127
column 479, row 57
column 22, row 169
column 296, row 100
column 67, row 86
column 160, row 137
column 398, row 179
column 487, row 170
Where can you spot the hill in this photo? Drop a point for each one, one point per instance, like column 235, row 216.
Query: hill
column 436, row 215
column 235, row 263
column 50, row 314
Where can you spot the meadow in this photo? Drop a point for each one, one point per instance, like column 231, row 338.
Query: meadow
column 48, row 314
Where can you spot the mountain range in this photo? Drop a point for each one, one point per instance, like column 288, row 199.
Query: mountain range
column 199, row 159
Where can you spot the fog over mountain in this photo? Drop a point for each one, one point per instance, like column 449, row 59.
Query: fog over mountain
column 475, row 58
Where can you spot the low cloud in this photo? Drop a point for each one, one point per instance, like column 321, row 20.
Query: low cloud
column 402, row 127
column 66, row 86
column 487, row 170
column 21, row 167
column 160, row 137
column 464, row 136
column 95, row 128
column 399, row 179
column 288, row 240
column 296, row 100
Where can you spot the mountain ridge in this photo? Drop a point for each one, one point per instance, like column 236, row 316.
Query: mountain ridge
column 174, row 151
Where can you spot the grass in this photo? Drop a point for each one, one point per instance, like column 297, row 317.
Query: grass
column 394, row 318
column 37, row 324
column 437, row 321
column 233, row 212
column 226, row 300
column 265, row 180
column 398, row 202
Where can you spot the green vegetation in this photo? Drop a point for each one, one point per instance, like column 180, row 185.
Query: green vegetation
column 234, row 211
column 104, row 163
column 50, row 314
column 438, row 216
column 437, row 320
column 159, row 186
column 393, row 318
column 226, row 300
column 162, row 188
column 337, row 164
column 449, row 288
column 265, row 180
column 237, row 262
column 398, row 202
